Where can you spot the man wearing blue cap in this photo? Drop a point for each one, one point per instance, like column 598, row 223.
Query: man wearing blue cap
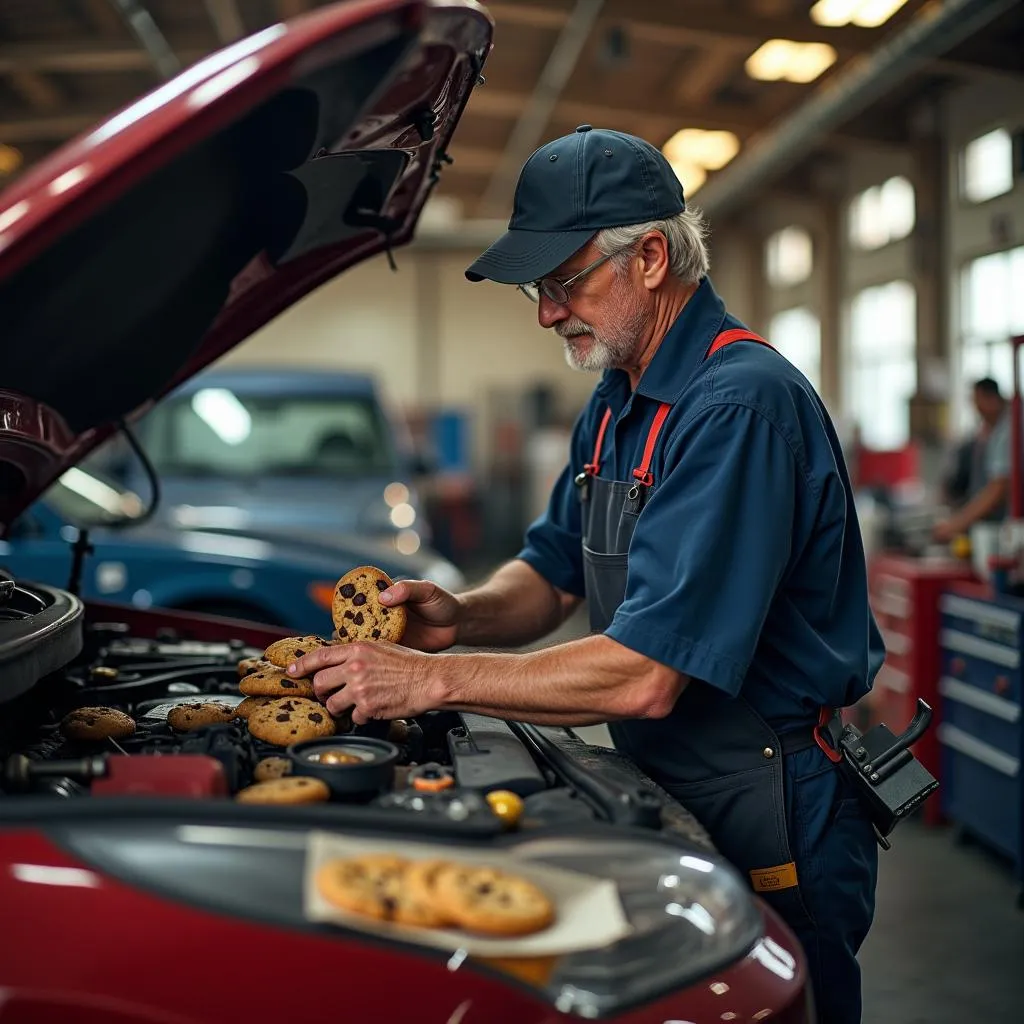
column 706, row 516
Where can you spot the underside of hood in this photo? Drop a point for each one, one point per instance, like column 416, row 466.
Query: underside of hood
column 152, row 245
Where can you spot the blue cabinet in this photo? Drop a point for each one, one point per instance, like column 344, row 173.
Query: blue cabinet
column 981, row 730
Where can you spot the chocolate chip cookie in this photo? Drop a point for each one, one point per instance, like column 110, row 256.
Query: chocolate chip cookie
column 489, row 901
column 271, row 768
column 299, row 789
column 275, row 682
column 283, row 652
column 249, row 665
column 290, row 720
column 249, row 705
column 96, row 724
column 185, row 717
column 357, row 612
column 375, row 886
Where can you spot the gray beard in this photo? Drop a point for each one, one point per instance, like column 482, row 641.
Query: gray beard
column 590, row 352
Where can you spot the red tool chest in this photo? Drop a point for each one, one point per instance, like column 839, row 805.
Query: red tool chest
column 904, row 594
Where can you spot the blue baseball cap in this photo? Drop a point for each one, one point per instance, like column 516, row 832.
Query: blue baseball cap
column 569, row 190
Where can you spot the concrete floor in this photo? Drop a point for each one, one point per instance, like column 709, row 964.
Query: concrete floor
column 947, row 946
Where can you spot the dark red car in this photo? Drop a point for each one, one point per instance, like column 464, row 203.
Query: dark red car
column 132, row 887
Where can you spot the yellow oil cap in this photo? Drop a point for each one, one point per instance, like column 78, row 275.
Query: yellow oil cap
column 507, row 806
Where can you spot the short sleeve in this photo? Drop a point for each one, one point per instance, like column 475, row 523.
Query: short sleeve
column 997, row 451
column 554, row 540
column 711, row 547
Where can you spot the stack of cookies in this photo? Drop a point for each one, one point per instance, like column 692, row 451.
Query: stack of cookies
column 436, row 894
column 282, row 710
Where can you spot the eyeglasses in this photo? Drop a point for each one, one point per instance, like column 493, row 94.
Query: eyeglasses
column 558, row 291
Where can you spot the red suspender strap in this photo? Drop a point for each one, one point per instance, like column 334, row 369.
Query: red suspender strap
column 737, row 334
column 643, row 471
column 594, row 466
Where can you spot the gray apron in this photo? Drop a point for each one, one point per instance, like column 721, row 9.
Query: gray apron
column 714, row 753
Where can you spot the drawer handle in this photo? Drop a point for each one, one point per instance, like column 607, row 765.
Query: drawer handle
column 958, row 666
column 1002, row 684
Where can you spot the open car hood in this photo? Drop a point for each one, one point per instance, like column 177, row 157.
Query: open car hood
column 153, row 244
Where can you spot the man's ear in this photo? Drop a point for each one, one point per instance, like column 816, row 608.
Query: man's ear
column 654, row 254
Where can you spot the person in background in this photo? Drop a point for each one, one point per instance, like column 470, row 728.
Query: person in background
column 983, row 476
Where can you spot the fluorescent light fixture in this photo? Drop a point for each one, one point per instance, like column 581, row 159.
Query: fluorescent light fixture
column 92, row 489
column 711, row 150
column 784, row 60
column 223, row 413
column 691, row 175
column 862, row 13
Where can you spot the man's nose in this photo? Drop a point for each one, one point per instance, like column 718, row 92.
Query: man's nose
column 550, row 313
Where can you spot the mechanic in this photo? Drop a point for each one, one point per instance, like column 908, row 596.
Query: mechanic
column 706, row 516
column 987, row 476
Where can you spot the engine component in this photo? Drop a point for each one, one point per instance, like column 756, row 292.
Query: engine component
column 486, row 755
column 354, row 767
column 431, row 778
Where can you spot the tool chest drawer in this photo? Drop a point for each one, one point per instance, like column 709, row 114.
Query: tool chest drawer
column 981, row 730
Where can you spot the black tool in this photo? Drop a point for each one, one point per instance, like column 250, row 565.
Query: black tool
column 889, row 781
column 486, row 755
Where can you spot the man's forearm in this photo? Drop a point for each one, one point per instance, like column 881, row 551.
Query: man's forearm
column 983, row 504
column 515, row 606
column 583, row 682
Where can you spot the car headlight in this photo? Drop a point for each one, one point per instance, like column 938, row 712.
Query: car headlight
column 691, row 915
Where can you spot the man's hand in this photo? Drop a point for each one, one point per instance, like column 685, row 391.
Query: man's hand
column 376, row 680
column 433, row 614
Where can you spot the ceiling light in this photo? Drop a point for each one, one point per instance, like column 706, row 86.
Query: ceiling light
column 711, row 150
column 784, row 60
column 10, row 159
column 691, row 175
column 863, row 13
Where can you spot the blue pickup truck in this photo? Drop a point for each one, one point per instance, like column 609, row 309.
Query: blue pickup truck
column 272, row 485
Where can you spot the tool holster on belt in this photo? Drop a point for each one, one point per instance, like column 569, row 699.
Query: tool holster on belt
column 888, row 780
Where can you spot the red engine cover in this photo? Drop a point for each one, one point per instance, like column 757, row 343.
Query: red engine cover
column 153, row 775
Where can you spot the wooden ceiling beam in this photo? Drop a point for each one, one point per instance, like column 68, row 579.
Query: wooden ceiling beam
column 47, row 129
column 38, row 91
column 689, row 23
column 82, row 57
column 488, row 102
column 226, row 20
column 288, row 9
column 697, row 83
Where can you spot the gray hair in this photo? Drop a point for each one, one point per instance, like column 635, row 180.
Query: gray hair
column 686, row 234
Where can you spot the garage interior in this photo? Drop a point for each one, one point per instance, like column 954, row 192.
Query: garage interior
column 862, row 167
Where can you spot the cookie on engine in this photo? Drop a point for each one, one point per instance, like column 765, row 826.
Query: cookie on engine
column 249, row 665
column 298, row 789
column 283, row 652
column 285, row 721
column 196, row 715
column 489, row 901
column 249, row 705
column 375, row 886
column 96, row 724
column 275, row 682
column 357, row 612
column 271, row 768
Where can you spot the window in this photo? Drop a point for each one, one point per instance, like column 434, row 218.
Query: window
column 796, row 333
column 882, row 366
column 882, row 214
column 788, row 257
column 217, row 432
column 991, row 312
column 986, row 166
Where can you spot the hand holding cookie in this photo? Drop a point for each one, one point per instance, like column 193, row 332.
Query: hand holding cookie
column 375, row 680
column 432, row 614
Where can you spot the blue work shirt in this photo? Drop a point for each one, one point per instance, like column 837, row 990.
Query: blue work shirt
column 746, row 569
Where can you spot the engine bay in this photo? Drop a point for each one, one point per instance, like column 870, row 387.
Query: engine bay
column 444, row 766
